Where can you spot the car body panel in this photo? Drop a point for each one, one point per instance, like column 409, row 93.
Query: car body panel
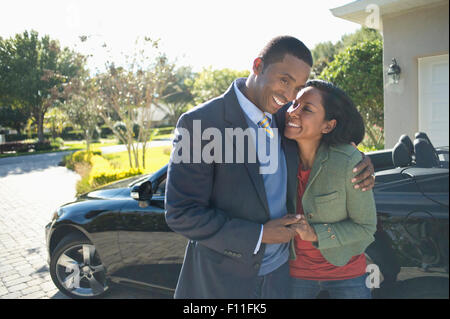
column 151, row 252
column 99, row 221
column 412, row 209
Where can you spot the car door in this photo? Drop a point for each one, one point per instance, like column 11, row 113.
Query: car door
column 152, row 254
column 413, row 210
column 434, row 185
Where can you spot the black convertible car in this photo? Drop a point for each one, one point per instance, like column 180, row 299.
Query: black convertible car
column 118, row 234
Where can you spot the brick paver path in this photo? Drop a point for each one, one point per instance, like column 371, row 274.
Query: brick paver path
column 31, row 188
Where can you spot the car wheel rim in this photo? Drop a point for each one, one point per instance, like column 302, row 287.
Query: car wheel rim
column 80, row 271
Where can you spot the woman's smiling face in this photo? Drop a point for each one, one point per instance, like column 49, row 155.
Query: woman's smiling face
column 305, row 119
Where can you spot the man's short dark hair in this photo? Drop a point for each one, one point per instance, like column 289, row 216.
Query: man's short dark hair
column 339, row 106
column 278, row 47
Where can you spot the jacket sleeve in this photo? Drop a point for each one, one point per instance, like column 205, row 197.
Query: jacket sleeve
column 189, row 210
column 361, row 222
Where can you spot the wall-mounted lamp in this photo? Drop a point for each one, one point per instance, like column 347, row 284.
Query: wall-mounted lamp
column 394, row 71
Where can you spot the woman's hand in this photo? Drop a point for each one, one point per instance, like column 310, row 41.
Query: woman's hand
column 305, row 230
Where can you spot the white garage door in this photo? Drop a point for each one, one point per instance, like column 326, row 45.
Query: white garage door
column 433, row 98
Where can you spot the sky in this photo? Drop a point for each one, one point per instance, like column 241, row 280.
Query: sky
column 199, row 33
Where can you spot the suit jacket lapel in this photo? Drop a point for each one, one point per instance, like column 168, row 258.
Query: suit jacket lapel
column 292, row 160
column 235, row 118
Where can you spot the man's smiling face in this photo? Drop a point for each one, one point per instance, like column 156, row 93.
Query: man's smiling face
column 279, row 82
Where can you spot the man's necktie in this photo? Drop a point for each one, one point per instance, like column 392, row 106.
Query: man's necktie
column 265, row 124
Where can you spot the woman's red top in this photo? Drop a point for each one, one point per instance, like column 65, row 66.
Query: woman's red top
column 310, row 264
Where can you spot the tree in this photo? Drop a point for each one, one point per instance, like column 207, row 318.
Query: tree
column 114, row 100
column 132, row 95
column 55, row 119
column 359, row 72
column 13, row 116
column 152, row 80
column 211, row 83
column 179, row 97
column 32, row 72
column 80, row 105
column 324, row 52
column 361, row 35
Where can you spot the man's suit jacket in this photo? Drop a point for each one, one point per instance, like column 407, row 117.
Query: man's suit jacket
column 220, row 207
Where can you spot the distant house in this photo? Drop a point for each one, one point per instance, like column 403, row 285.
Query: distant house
column 416, row 34
column 156, row 115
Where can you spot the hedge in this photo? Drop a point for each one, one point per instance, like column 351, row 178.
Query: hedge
column 77, row 157
column 74, row 135
column 102, row 172
column 20, row 147
column 21, row 137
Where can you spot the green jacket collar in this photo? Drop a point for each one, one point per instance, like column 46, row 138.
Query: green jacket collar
column 321, row 157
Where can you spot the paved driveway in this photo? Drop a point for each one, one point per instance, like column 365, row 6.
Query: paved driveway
column 31, row 188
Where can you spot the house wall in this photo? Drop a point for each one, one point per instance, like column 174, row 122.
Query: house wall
column 419, row 33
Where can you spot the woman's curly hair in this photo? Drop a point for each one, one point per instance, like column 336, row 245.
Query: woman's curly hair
column 339, row 106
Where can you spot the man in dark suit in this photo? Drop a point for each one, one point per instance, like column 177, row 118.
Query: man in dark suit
column 235, row 214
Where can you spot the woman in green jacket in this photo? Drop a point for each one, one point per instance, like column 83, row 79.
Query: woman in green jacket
column 338, row 221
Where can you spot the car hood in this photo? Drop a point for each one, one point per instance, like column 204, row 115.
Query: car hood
column 115, row 190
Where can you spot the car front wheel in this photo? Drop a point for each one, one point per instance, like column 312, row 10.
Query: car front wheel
column 76, row 268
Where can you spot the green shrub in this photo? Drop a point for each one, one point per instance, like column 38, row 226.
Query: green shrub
column 120, row 127
column 24, row 147
column 100, row 170
column 83, row 185
column 74, row 135
column 57, row 141
column 22, row 137
column 79, row 156
column 44, row 146
column 67, row 161
column 103, row 172
column 105, row 131
column 84, row 156
column 102, row 178
column 54, row 146
column 70, row 160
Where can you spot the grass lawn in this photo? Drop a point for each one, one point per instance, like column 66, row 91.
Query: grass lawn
column 77, row 145
column 163, row 137
column 155, row 158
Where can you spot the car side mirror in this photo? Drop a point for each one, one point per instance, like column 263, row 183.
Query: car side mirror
column 142, row 193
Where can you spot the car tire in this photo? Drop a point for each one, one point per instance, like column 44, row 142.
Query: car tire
column 76, row 268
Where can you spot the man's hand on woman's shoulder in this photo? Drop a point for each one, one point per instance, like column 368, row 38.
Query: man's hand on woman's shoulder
column 365, row 178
